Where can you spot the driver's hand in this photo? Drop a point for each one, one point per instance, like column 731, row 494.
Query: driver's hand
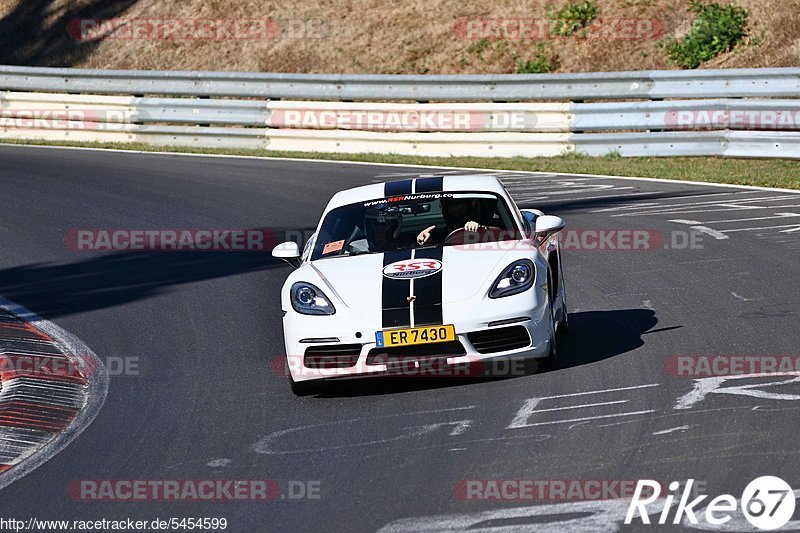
column 424, row 236
column 471, row 226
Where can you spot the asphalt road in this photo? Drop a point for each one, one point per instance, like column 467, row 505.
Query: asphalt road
column 204, row 328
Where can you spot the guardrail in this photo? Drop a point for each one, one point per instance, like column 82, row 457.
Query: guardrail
column 724, row 83
column 735, row 112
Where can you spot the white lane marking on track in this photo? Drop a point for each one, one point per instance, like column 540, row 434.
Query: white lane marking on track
column 264, row 445
column 697, row 226
column 491, row 440
column 713, row 385
column 673, row 198
column 521, row 198
column 726, row 209
column 702, row 207
column 523, row 178
column 671, row 430
column 720, row 236
column 795, row 227
column 602, row 391
column 622, row 200
column 530, row 406
column 586, row 418
column 742, row 298
column 643, row 204
column 722, row 260
column 776, row 215
column 579, row 406
column 559, row 191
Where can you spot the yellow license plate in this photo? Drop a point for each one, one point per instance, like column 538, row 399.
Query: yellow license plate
column 409, row 336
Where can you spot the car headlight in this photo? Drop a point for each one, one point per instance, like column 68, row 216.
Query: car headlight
column 309, row 300
column 516, row 278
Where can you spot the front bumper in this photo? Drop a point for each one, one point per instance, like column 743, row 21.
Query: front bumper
column 527, row 310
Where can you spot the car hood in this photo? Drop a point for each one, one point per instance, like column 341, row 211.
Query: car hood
column 358, row 281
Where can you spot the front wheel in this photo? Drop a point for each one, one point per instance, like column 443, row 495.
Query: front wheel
column 552, row 357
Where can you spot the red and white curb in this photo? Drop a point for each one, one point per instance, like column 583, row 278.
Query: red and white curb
column 51, row 388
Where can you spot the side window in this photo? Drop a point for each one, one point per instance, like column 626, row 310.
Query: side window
column 529, row 219
column 308, row 247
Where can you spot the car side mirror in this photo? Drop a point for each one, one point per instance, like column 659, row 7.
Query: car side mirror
column 530, row 216
column 549, row 224
column 289, row 252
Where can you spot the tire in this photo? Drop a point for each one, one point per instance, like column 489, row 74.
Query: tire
column 563, row 326
column 552, row 357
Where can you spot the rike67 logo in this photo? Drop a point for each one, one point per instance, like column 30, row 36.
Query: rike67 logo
column 767, row 503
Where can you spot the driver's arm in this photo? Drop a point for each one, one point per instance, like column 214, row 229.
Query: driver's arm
column 424, row 236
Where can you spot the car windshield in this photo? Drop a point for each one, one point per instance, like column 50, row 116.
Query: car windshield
column 396, row 223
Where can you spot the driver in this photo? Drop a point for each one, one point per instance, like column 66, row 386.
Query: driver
column 383, row 231
column 458, row 213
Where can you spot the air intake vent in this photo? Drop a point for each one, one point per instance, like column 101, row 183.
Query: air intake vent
column 332, row 356
column 437, row 350
column 499, row 339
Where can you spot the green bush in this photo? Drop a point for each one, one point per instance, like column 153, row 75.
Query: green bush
column 716, row 29
column 572, row 17
column 540, row 63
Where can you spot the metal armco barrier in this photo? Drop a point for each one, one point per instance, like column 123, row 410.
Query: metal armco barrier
column 733, row 112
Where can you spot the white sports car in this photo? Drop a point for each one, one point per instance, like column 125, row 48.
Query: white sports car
column 431, row 268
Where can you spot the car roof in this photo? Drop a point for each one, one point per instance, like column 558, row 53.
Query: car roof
column 427, row 183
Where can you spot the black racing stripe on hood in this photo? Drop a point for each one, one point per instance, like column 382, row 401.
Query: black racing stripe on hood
column 396, row 188
column 394, row 294
column 434, row 184
column 428, row 290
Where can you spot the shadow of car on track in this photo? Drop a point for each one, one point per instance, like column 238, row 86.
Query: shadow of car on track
column 102, row 281
column 593, row 337
column 598, row 335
